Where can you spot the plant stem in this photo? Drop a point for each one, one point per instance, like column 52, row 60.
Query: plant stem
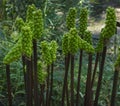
column 51, row 85
column 72, row 80
column 95, row 68
column 8, row 84
column 47, row 90
column 79, row 77
column 29, row 82
column 67, row 94
column 88, row 91
column 114, row 89
column 100, row 75
column 42, row 86
column 36, row 101
column 32, row 77
column 67, row 62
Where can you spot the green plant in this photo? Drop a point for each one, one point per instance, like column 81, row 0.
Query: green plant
column 107, row 32
column 88, row 92
column 83, row 22
column 46, row 80
column 70, row 19
column 41, row 73
column 49, row 56
column 38, row 24
column 14, row 53
column 19, row 23
column 83, row 18
column 65, row 50
column 26, row 41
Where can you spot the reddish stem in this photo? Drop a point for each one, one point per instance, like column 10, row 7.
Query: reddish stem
column 95, row 69
column 72, row 81
column 29, row 82
column 87, row 101
column 36, row 98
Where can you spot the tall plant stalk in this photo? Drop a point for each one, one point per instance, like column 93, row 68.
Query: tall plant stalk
column 88, row 91
column 8, row 85
column 79, row 77
column 95, row 69
column 107, row 32
column 29, row 83
column 67, row 62
column 100, row 75
column 25, row 77
column 36, row 98
column 114, row 89
column 72, row 80
column 67, row 95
